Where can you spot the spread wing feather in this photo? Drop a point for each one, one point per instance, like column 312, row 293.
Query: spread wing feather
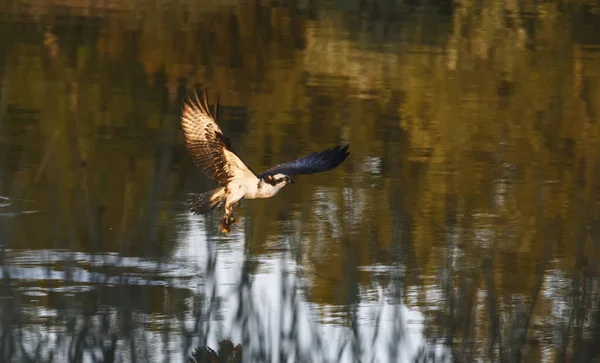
column 210, row 148
column 312, row 163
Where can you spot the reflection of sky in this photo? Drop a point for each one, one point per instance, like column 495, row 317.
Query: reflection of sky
column 266, row 296
column 186, row 269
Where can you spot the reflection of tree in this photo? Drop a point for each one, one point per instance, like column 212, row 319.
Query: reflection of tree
column 472, row 134
column 495, row 129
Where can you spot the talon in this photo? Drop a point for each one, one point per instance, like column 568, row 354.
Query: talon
column 225, row 223
column 224, row 228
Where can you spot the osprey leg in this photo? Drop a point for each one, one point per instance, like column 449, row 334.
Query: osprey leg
column 228, row 219
column 226, row 222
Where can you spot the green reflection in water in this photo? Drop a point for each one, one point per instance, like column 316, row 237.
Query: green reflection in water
column 470, row 196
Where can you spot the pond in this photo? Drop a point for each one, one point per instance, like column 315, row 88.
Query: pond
column 464, row 225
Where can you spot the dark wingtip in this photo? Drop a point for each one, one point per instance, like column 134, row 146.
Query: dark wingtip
column 345, row 150
column 340, row 154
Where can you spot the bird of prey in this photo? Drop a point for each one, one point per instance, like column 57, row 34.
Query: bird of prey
column 213, row 154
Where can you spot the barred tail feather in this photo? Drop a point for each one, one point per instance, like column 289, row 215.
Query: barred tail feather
column 205, row 202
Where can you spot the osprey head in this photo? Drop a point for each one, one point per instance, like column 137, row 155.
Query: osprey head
column 278, row 179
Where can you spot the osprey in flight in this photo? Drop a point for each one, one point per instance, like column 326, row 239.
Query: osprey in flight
column 212, row 152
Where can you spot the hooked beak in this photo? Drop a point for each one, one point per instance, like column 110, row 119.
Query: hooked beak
column 290, row 180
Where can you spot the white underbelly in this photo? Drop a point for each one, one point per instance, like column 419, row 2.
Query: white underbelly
column 265, row 191
column 259, row 193
column 241, row 189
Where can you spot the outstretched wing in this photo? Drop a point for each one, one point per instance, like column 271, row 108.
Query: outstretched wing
column 210, row 149
column 313, row 163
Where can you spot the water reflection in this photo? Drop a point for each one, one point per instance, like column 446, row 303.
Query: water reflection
column 464, row 225
column 202, row 292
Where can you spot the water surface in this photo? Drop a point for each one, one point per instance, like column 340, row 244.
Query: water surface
column 464, row 225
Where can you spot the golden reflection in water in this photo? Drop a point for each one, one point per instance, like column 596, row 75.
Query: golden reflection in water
column 474, row 148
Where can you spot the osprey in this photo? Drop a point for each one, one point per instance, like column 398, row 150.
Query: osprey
column 213, row 154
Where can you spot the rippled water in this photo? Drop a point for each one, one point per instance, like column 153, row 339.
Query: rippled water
column 463, row 226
